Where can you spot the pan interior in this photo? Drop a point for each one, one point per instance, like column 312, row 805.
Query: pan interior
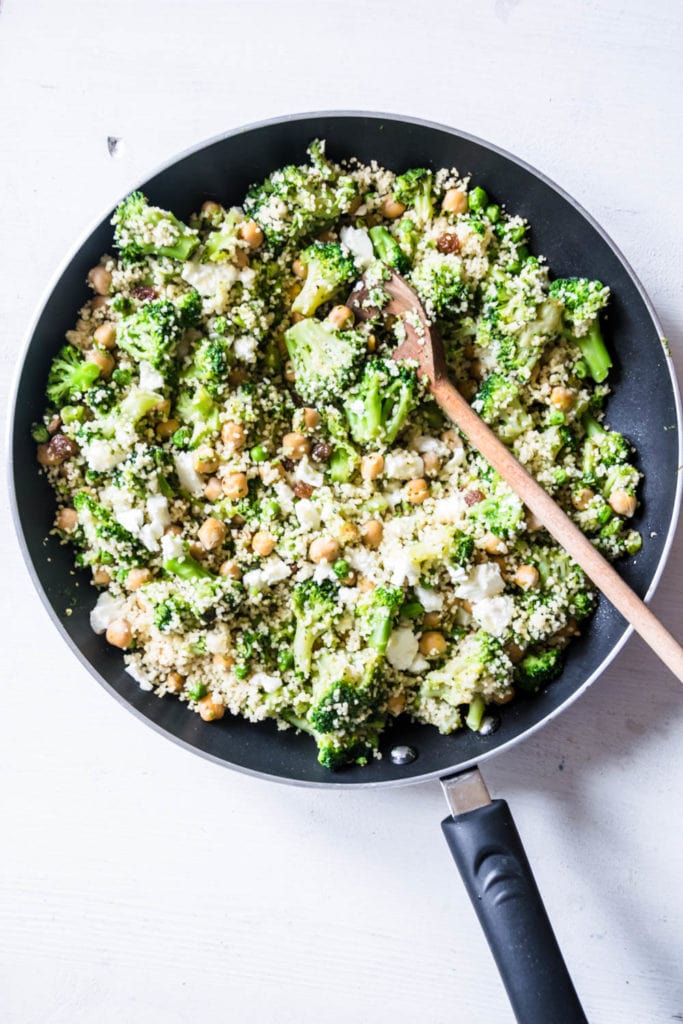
column 644, row 406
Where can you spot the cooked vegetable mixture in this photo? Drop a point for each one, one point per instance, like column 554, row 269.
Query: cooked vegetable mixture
column 279, row 519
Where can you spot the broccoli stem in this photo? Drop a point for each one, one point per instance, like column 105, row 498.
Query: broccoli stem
column 594, row 351
column 475, row 714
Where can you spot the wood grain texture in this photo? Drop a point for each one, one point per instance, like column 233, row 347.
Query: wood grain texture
column 141, row 884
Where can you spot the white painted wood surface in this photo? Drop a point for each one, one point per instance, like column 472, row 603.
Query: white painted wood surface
column 140, row 884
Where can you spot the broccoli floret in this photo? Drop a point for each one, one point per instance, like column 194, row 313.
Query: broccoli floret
column 582, row 301
column 102, row 530
column 315, row 610
column 329, row 270
column 378, row 407
column 602, row 449
column 189, row 307
column 210, row 364
column 300, row 202
column 538, row 669
column 173, row 614
column 378, row 612
column 143, row 230
column 408, row 236
column 436, row 279
column 583, row 604
column 152, row 334
column 388, row 250
column 414, row 189
column 498, row 403
column 221, row 244
column 501, row 511
column 198, row 410
column 462, row 549
column 326, row 362
column 341, row 751
column 70, row 375
column 342, row 697
column 344, row 458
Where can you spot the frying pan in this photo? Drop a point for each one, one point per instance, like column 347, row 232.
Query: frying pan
column 645, row 405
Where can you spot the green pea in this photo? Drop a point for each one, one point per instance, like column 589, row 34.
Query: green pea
column 39, row 433
column 556, row 418
column 271, row 508
column 634, row 542
column 258, row 453
column 478, row 199
column 523, row 253
column 493, row 213
column 513, row 267
column 197, row 691
column 241, row 671
column 72, row 414
column 581, row 369
column 560, row 475
column 517, row 233
column 341, row 568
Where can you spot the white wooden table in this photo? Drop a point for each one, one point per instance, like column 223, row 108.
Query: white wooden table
column 140, row 884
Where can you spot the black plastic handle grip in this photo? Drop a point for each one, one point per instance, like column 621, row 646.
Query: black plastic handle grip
column 485, row 845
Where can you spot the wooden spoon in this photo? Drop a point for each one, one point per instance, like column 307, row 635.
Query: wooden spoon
column 423, row 344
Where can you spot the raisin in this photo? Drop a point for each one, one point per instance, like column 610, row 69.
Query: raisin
column 473, row 498
column 448, row 242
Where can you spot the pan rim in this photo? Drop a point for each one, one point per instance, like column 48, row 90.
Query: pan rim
column 71, row 254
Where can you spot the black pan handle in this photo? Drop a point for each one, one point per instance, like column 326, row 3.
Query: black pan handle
column 485, row 845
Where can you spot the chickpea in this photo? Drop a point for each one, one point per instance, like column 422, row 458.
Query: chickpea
column 432, row 462
column 167, row 428
column 263, row 543
column 348, row 534
column 235, row 486
column 526, row 577
column 290, row 375
column 174, row 530
column 582, row 498
column 66, row 519
column 196, row 549
column 251, row 233
column 224, row 661
column 452, row 440
column 299, row 269
column 417, row 490
column 311, row 419
column 210, row 709
column 455, row 201
column 372, row 533
column 341, row 317
column 372, row 342
column 210, row 207
column 431, row 620
column 98, row 302
column 231, row 569
column 503, row 698
column 211, row 533
column 233, row 436
column 119, row 633
column 205, row 460
column 533, row 523
column 622, row 503
column 213, row 489
column 292, row 291
column 432, row 644
column 296, row 445
column 493, row 545
column 99, row 280
column 323, row 549
column 102, row 359
column 514, row 652
column 174, row 682
column 105, row 335
column 371, row 466
column 137, row 578
column 101, row 577
column 562, row 398
column 396, row 704
column 391, row 208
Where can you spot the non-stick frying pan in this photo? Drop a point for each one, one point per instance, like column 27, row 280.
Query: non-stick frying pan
column 645, row 406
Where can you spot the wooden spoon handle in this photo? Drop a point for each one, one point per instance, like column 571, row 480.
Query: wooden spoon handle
column 558, row 523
